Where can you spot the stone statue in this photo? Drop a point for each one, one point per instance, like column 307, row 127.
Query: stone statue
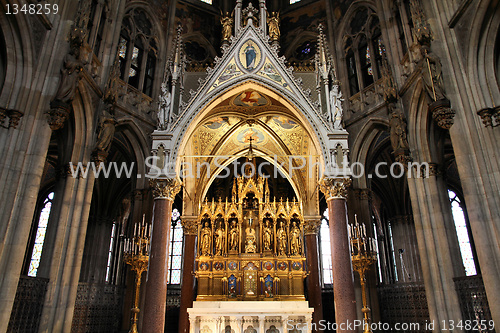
column 233, row 236
column 267, row 237
column 106, row 132
column 432, row 74
column 281, row 238
column 273, row 21
column 124, row 214
column 70, row 75
column 250, row 245
column 227, row 26
column 206, row 234
column 295, row 242
column 165, row 102
column 219, row 240
column 336, row 111
column 397, row 124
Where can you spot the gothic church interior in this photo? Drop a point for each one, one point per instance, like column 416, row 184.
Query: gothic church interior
column 249, row 166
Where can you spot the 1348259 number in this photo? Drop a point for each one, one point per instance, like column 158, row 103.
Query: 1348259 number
column 32, row 9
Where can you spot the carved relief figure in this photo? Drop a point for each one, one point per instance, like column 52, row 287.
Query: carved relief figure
column 336, row 111
column 206, row 235
column 165, row 101
column 106, row 132
column 233, row 236
column 432, row 74
column 295, row 241
column 219, row 240
column 273, row 22
column 267, row 236
column 70, row 75
column 281, row 239
column 227, row 26
column 398, row 132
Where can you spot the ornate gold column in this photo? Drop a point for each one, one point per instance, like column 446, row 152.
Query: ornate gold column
column 190, row 228
column 335, row 190
column 164, row 191
column 311, row 228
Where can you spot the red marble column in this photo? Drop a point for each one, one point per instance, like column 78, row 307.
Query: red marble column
column 190, row 228
column 343, row 279
column 311, row 229
column 155, row 304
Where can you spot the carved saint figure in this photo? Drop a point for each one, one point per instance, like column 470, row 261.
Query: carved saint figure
column 398, row 132
column 219, row 240
column 336, row 111
column 106, row 132
column 273, row 21
column 124, row 214
column 233, row 236
column 267, row 236
column 295, row 243
column 70, row 74
column 432, row 74
column 206, row 234
column 165, row 101
column 227, row 26
column 281, row 238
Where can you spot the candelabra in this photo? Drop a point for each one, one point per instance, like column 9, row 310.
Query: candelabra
column 136, row 254
column 363, row 254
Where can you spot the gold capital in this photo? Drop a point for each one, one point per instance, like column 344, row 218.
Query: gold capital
column 190, row 226
column 311, row 227
column 166, row 188
column 335, row 188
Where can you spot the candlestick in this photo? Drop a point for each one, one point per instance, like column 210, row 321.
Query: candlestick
column 363, row 257
column 136, row 254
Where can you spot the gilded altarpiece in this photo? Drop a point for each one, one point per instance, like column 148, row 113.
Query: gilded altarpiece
column 250, row 248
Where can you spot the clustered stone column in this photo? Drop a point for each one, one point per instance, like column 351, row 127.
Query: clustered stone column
column 164, row 192
column 311, row 228
column 190, row 228
column 335, row 191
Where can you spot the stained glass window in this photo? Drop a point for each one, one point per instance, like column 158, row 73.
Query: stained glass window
column 326, row 250
column 110, row 253
column 393, row 254
column 138, row 50
column 462, row 234
column 43, row 221
column 175, row 255
column 379, row 266
column 368, row 60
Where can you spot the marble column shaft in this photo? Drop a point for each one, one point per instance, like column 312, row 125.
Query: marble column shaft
column 314, row 278
column 187, row 288
column 164, row 191
column 343, row 279
column 156, row 288
column 335, row 191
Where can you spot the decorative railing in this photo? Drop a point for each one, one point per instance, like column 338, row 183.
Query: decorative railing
column 173, row 296
column 28, row 305
column 404, row 303
column 473, row 302
column 98, row 308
